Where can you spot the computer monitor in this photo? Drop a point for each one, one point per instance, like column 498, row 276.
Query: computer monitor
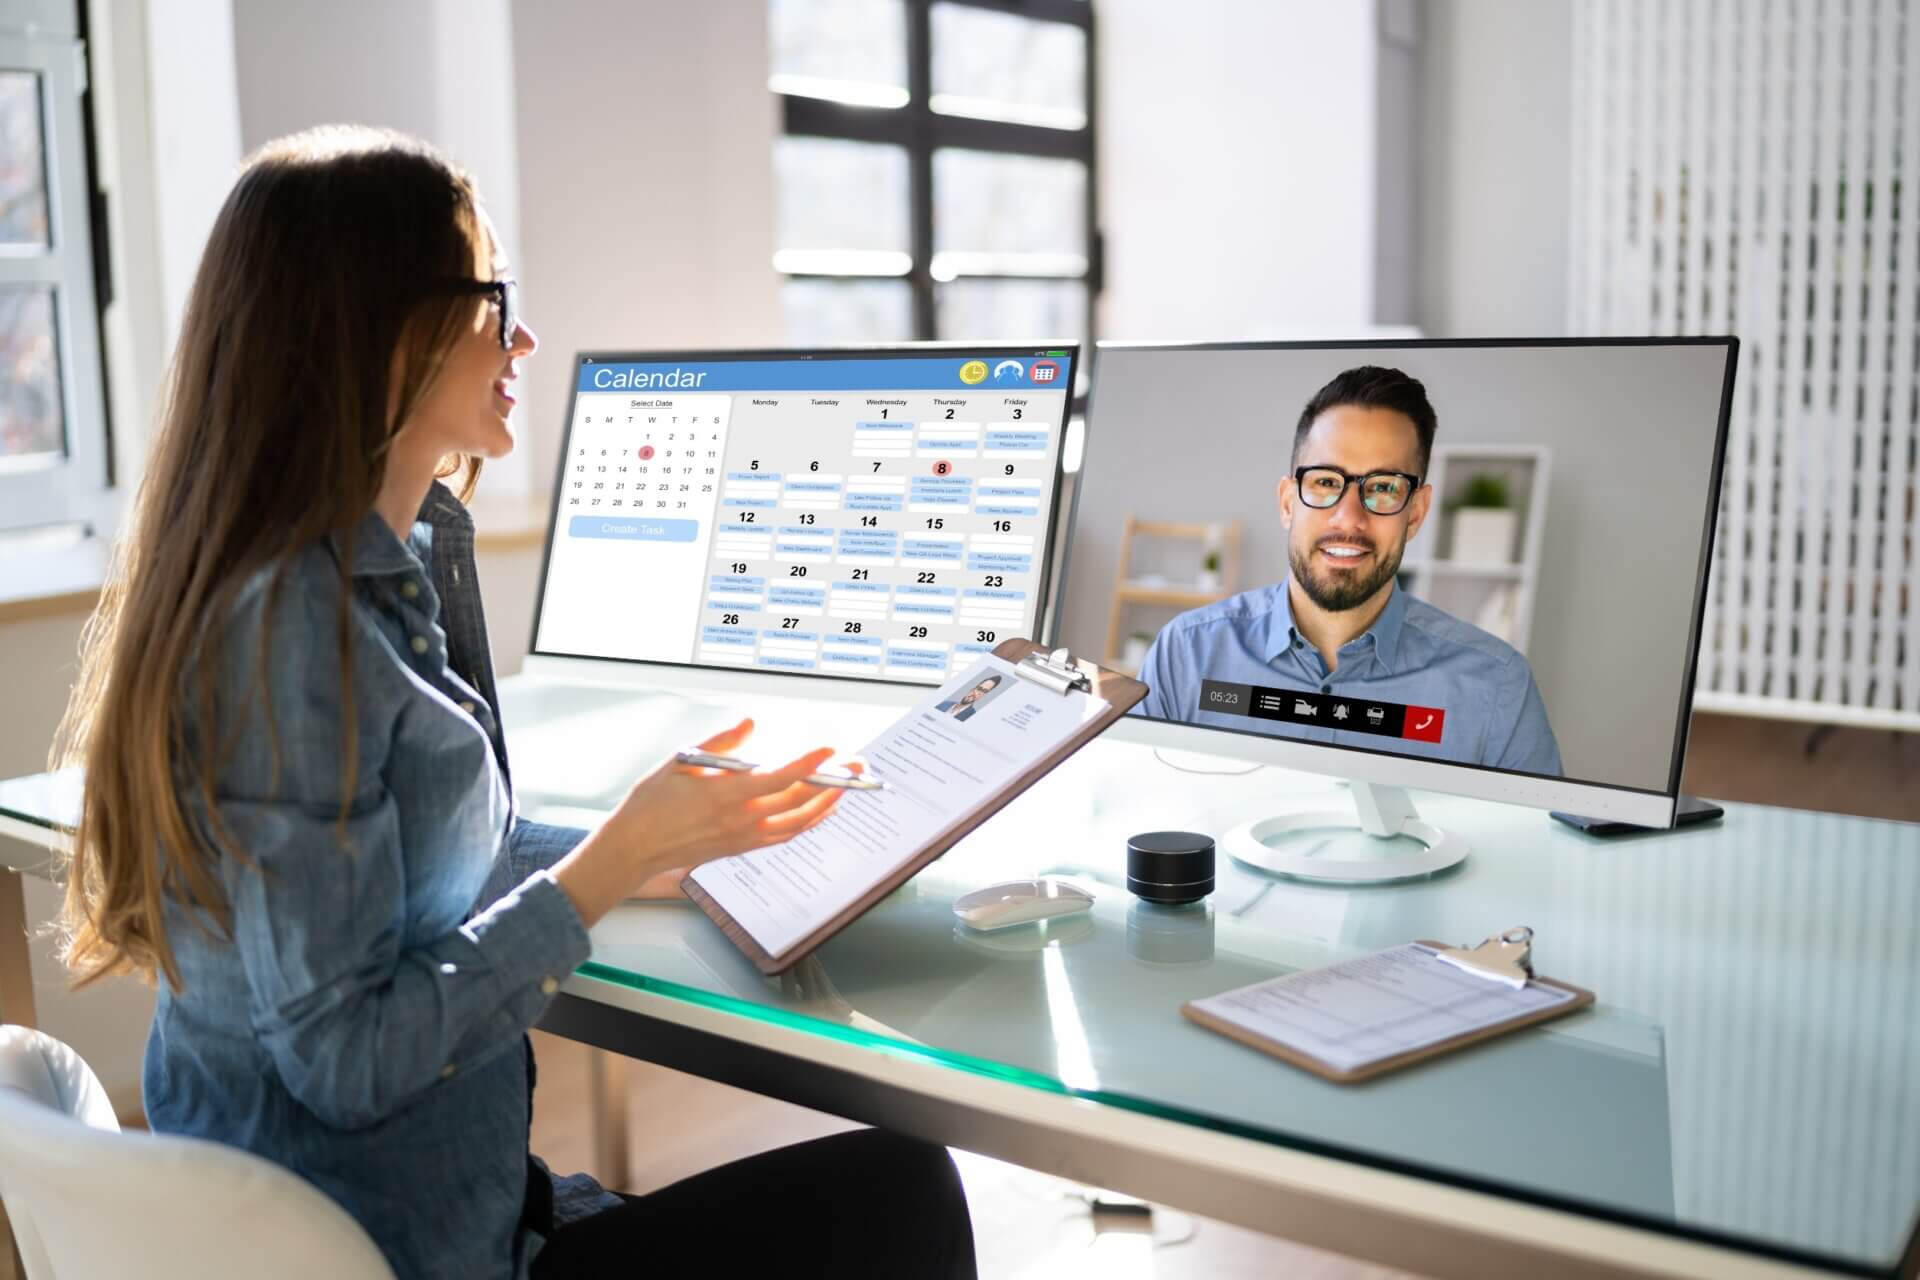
column 1511, row 611
column 873, row 516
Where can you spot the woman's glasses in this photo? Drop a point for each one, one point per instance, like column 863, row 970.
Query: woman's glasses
column 505, row 294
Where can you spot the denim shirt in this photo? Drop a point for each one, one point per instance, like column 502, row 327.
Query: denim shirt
column 1413, row 653
column 366, row 1025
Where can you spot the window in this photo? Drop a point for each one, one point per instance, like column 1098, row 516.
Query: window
column 54, row 455
column 936, row 177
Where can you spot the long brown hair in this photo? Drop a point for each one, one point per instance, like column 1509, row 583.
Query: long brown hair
column 315, row 323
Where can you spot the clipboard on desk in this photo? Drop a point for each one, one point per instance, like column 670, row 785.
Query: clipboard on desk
column 779, row 904
column 1376, row 1013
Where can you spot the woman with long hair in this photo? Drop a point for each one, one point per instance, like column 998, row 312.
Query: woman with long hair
column 297, row 819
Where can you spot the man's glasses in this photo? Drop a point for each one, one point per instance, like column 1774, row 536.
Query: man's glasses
column 1384, row 493
column 505, row 294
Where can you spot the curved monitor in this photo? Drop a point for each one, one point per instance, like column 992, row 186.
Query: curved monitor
column 881, row 516
column 1468, row 566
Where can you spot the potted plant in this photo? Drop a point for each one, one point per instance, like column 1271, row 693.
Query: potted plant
column 1210, row 571
column 1210, row 559
column 1484, row 522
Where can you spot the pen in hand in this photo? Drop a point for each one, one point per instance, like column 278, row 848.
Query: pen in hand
column 843, row 781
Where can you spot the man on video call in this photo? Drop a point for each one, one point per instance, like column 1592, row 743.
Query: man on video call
column 1339, row 625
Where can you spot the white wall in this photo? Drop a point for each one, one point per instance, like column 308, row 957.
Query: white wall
column 438, row 69
column 1495, row 176
column 646, row 140
column 1237, row 167
column 107, row 1023
column 344, row 62
column 441, row 70
column 195, row 134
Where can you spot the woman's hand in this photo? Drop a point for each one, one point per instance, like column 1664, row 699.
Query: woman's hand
column 678, row 817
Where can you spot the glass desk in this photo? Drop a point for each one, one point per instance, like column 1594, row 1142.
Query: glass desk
column 1744, row 1099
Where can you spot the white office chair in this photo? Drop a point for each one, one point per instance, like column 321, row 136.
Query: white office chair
column 87, row 1200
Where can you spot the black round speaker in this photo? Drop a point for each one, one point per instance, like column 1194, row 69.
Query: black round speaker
column 1170, row 867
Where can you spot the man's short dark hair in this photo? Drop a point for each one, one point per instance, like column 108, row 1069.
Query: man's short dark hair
column 1373, row 386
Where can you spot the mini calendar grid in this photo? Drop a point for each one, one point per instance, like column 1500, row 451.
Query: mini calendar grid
column 889, row 530
column 654, row 461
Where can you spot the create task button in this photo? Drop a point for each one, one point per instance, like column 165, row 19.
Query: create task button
column 634, row 530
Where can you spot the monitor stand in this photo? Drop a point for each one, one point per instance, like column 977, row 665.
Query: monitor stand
column 1379, row 810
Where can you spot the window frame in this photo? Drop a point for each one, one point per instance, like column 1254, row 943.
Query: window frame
column 920, row 131
column 74, row 487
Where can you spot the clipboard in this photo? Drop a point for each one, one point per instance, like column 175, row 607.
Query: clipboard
column 1057, row 671
column 1582, row 998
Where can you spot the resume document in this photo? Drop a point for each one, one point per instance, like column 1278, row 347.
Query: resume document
column 942, row 762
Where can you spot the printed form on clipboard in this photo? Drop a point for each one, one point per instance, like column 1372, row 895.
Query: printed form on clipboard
column 951, row 762
column 1366, row 1016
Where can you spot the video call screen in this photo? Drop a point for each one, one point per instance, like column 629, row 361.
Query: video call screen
column 882, row 515
column 1264, row 537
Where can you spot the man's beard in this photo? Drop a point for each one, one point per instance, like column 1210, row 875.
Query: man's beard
column 1338, row 592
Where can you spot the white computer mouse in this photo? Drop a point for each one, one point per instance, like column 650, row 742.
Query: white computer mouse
column 999, row 906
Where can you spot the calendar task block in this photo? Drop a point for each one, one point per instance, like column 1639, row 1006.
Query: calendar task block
column 803, row 542
column 726, row 637
column 750, row 489
column 940, row 493
column 736, row 591
column 865, row 500
column 883, row 440
column 922, row 550
column 1013, row 440
column 859, row 600
column 948, row 439
column 821, row 492
column 986, row 605
column 868, row 546
column 925, row 604
column 917, row 658
column 1007, row 498
column 861, row 654
column 743, row 542
column 807, row 602
column 999, row 562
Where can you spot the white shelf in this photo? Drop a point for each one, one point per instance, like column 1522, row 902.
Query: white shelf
column 1496, row 596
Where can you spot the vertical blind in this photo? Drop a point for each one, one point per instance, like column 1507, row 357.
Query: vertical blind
column 1738, row 168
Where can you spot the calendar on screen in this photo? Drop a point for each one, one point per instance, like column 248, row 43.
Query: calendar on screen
column 872, row 514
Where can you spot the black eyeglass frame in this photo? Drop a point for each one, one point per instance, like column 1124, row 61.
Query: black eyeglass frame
column 505, row 293
column 1300, row 487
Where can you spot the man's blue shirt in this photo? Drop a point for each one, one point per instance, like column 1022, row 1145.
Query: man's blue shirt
column 1412, row 654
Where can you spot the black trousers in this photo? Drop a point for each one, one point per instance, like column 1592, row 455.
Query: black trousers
column 866, row 1203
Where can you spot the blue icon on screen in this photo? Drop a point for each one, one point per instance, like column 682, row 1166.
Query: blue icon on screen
column 1005, row 368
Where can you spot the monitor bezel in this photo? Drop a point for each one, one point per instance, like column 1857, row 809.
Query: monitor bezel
column 699, row 676
column 1619, row 802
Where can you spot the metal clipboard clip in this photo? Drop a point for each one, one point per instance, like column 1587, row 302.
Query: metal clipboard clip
column 1505, row 957
column 1054, row 670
